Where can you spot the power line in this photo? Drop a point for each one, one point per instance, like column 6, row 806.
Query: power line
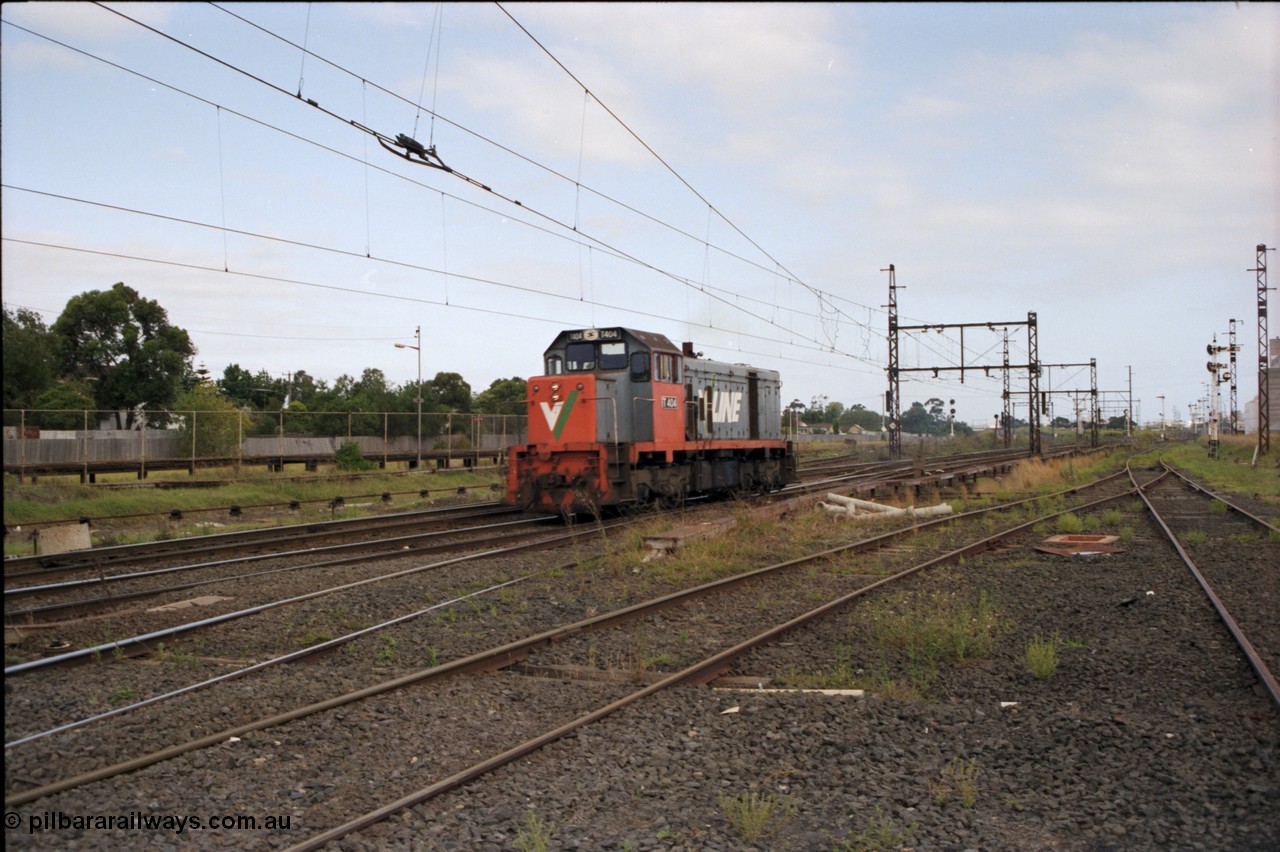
column 429, row 158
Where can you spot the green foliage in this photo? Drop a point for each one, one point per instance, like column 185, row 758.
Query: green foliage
column 350, row 458
column 1042, row 657
column 504, row 396
column 1195, row 537
column 28, row 358
column 63, row 406
column 757, row 815
column 126, row 344
column 1070, row 524
column 959, row 781
column 536, row 836
column 879, row 835
column 212, row 426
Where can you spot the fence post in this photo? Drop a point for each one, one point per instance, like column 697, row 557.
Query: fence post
column 385, row 415
column 84, row 449
column 195, row 434
column 281, row 468
column 22, row 445
column 240, row 440
column 142, row 451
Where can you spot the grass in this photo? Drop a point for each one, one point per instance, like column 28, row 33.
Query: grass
column 536, row 835
column 1070, row 524
column 880, row 835
column 1042, row 657
column 1232, row 470
column 959, row 781
column 49, row 501
column 758, row 815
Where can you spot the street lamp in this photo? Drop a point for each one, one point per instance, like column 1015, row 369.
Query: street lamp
column 417, row 335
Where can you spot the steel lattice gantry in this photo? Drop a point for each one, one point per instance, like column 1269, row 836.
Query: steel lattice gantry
column 893, row 399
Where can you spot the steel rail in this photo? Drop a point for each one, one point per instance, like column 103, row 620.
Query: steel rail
column 518, row 650
column 141, row 643
column 1225, row 501
column 13, row 617
column 55, row 565
column 699, row 673
column 52, row 588
column 1264, row 674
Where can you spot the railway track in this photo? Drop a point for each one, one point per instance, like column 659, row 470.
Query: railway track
column 503, row 655
column 1232, row 554
column 393, row 719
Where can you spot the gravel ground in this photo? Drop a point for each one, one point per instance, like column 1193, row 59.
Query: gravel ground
column 1150, row 735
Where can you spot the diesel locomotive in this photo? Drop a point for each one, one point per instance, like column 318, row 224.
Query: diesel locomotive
column 626, row 417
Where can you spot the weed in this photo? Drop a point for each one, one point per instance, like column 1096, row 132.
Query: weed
column 880, row 834
column 1195, row 537
column 757, row 815
column 123, row 694
column 1042, row 657
column 387, row 652
column 1112, row 518
column 959, row 780
column 1126, row 534
column 314, row 637
column 175, row 657
column 536, row 837
column 1217, row 507
column 1070, row 524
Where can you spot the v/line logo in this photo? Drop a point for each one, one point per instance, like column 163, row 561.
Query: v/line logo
column 557, row 415
column 726, row 406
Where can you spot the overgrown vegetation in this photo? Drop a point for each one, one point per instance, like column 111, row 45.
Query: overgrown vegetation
column 1042, row 656
column 758, row 815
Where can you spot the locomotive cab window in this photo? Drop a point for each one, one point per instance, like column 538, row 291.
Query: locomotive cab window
column 613, row 356
column 580, row 357
column 555, row 365
column 639, row 366
column 666, row 368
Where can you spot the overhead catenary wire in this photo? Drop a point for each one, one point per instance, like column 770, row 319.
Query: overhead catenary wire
column 549, row 170
column 415, row 152
column 605, row 246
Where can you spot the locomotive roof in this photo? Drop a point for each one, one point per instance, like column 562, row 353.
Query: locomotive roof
column 650, row 339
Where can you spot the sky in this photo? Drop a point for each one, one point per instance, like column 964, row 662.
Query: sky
column 735, row 175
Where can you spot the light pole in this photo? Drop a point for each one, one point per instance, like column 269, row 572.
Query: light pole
column 1161, row 398
column 417, row 335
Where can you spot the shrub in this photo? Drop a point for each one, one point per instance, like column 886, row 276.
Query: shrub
column 349, row 458
column 1042, row 657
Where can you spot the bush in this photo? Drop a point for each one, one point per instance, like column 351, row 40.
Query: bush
column 349, row 458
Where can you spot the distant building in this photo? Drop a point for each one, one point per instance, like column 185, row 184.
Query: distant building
column 1250, row 415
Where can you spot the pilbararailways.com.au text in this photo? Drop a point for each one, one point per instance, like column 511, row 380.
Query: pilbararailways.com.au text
column 35, row 823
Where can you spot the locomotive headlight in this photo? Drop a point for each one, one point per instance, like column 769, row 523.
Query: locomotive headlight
column 555, row 397
column 581, row 386
column 535, row 388
column 555, row 386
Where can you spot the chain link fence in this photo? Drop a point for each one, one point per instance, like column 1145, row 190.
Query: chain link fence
column 44, row 440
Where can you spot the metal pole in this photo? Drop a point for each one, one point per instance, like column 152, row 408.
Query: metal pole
column 417, row 336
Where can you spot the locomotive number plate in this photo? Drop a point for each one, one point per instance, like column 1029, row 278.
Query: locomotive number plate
column 670, row 402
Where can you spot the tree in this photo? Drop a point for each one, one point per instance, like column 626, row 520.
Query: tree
column 63, row 406
column 28, row 358
column 861, row 416
column 447, row 392
column 127, row 346
column 504, row 396
column 916, row 420
column 210, row 422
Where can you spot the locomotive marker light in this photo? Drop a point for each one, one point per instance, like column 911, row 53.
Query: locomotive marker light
column 417, row 335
